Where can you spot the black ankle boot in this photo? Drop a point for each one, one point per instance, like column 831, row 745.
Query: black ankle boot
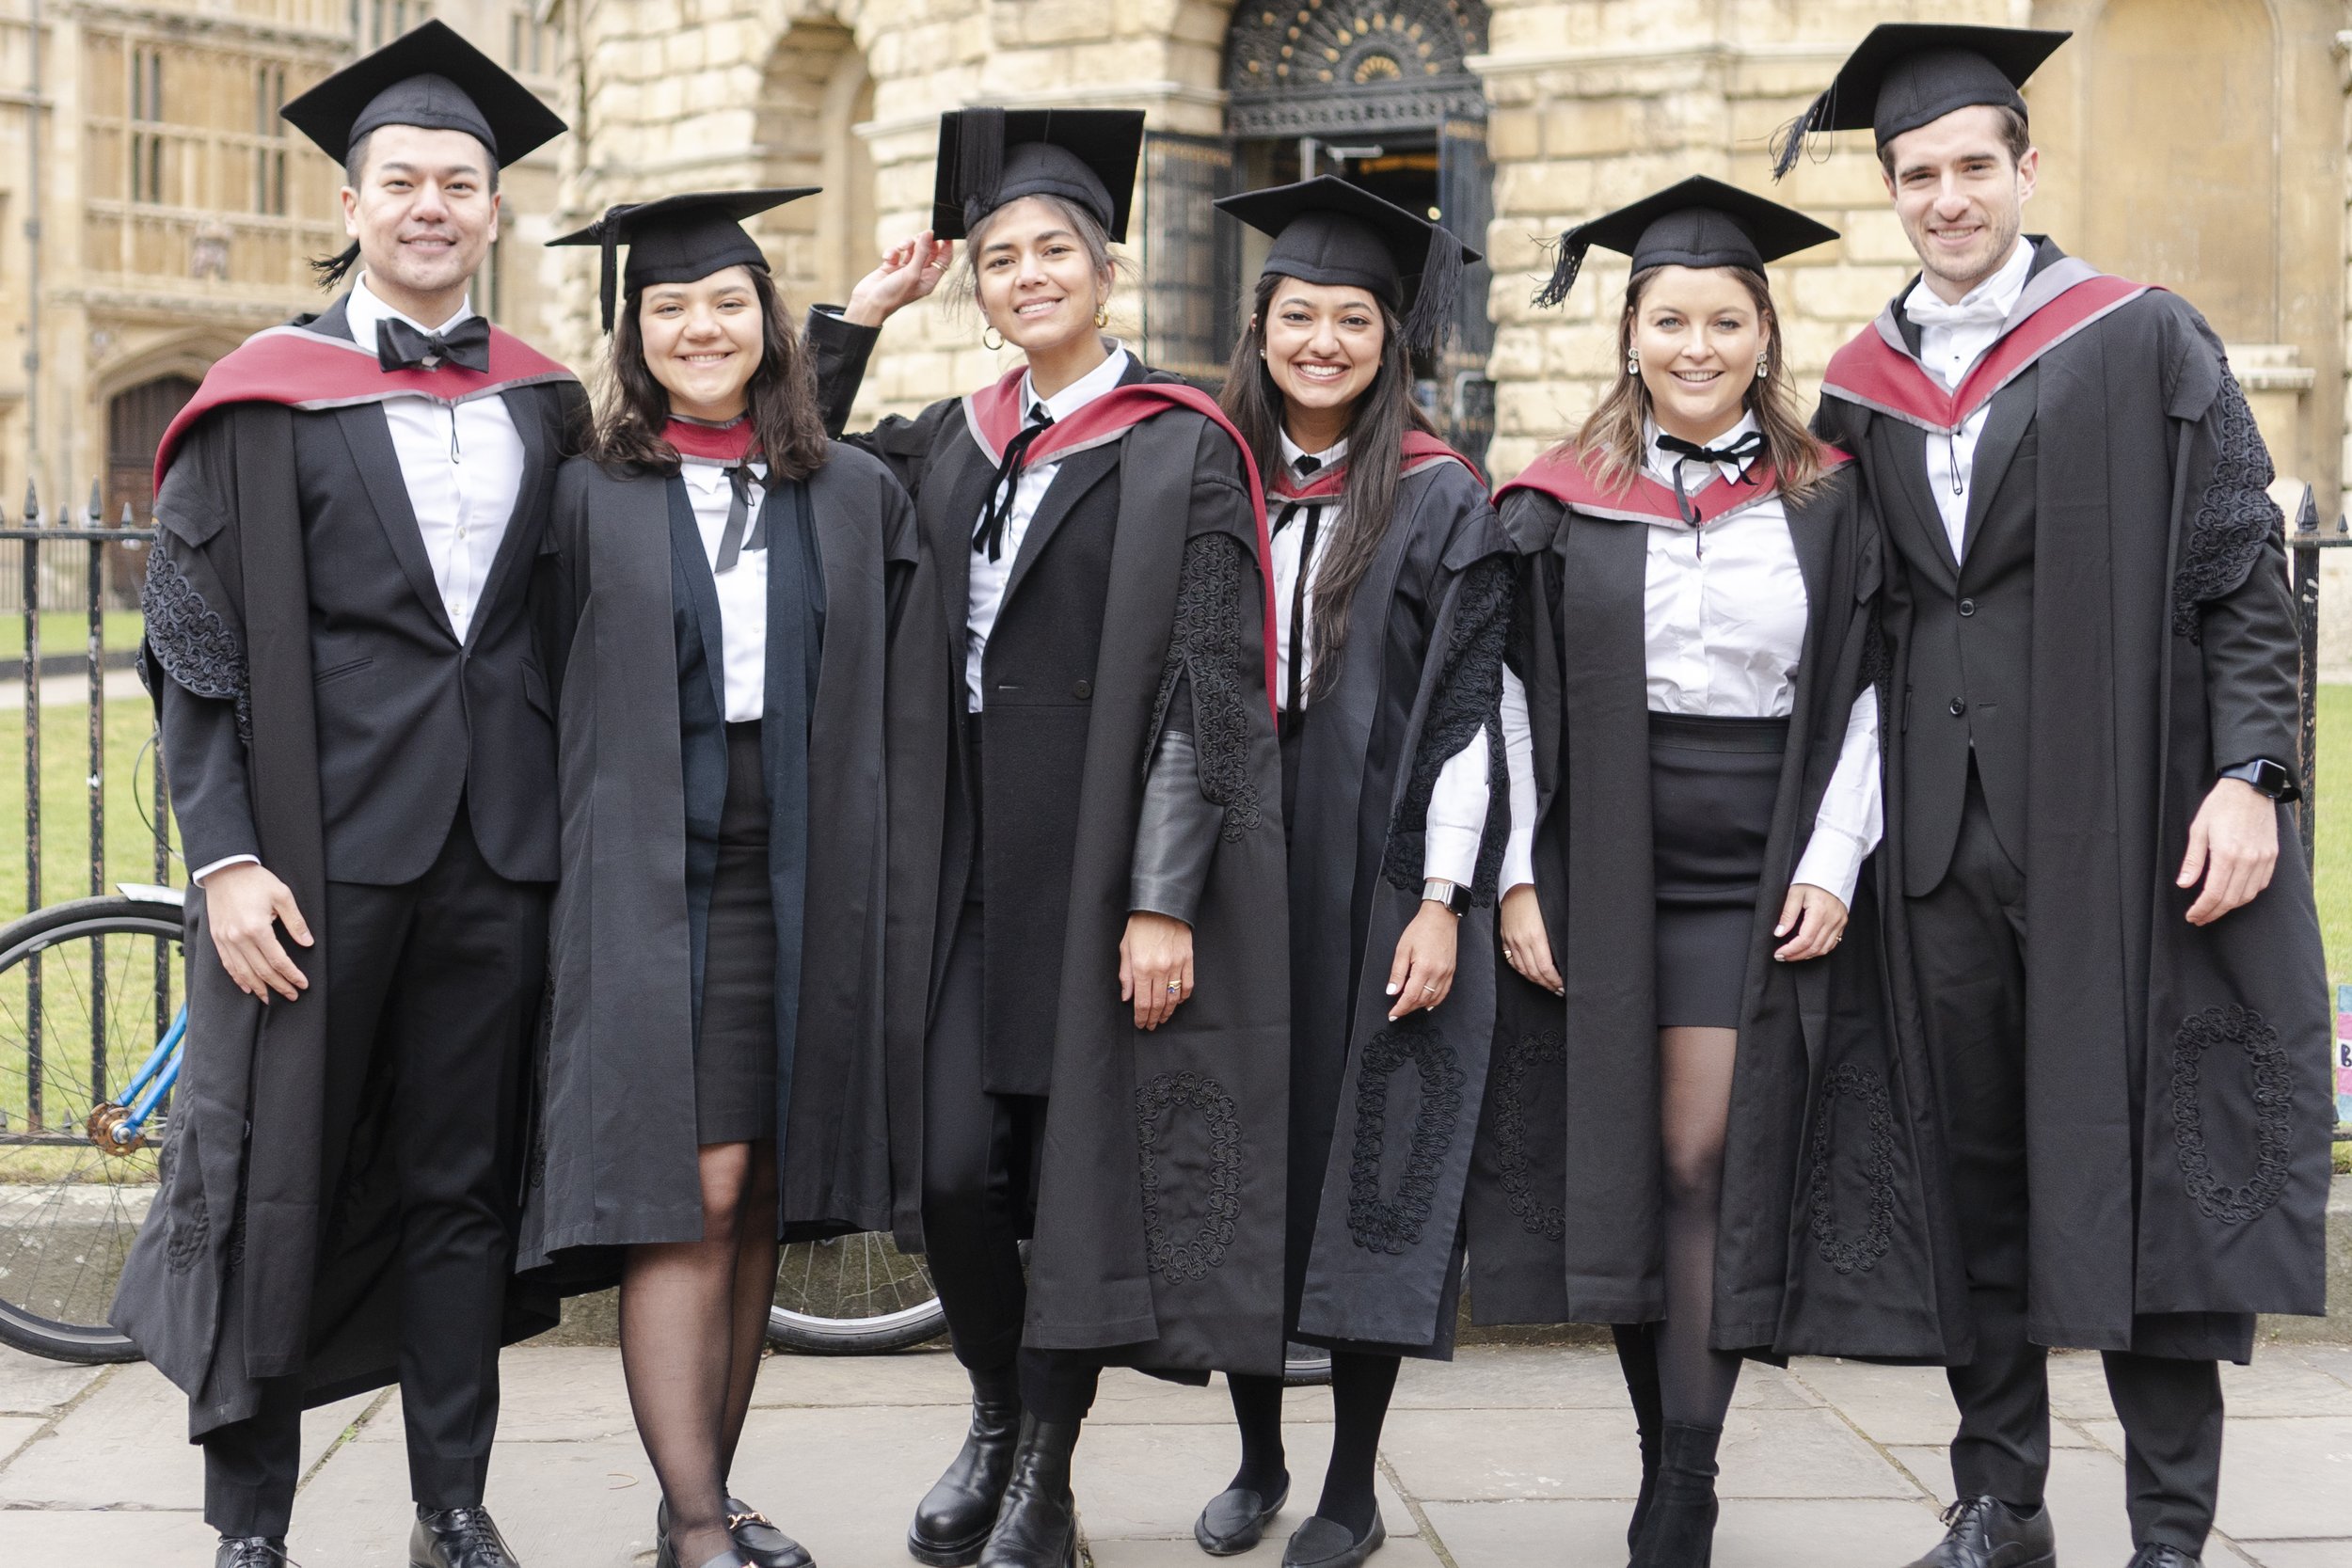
column 1637, row 1358
column 1678, row 1531
column 952, row 1522
column 1038, row 1527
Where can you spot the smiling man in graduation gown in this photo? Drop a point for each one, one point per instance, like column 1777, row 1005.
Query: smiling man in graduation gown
column 2119, row 973
column 362, row 763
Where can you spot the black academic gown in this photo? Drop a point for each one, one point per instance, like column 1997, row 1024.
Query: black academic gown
column 246, row 1270
column 2178, row 1118
column 641, row 769
column 1158, row 1233
column 1382, row 1113
column 1834, row 1239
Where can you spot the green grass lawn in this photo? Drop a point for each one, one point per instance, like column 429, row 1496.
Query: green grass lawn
column 2334, row 879
column 65, row 631
column 65, row 802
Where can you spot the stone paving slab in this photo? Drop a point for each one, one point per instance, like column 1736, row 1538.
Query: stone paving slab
column 1514, row 1457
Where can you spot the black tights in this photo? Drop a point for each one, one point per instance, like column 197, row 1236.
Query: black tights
column 693, row 1323
column 1696, row 1381
column 1360, row 1386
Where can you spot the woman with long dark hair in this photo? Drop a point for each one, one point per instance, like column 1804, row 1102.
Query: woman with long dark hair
column 721, row 577
column 1391, row 580
column 1691, row 1000
column 1085, row 839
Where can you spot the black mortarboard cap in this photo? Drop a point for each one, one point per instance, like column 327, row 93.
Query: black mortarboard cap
column 1698, row 222
column 428, row 77
column 989, row 157
column 1905, row 75
column 1326, row 231
column 679, row 239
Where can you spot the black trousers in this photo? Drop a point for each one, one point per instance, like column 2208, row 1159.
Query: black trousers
column 1968, row 940
column 980, row 1153
column 434, row 991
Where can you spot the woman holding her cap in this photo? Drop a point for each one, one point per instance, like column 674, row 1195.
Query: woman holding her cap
column 1084, row 845
column 1393, row 581
column 1702, row 1125
column 722, row 580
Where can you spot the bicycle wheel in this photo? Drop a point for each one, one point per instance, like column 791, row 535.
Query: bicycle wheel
column 852, row 1296
column 86, row 989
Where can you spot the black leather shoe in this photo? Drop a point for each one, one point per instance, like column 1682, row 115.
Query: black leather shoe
column 250, row 1551
column 952, row 1522
column 457, row 1538
column 1679, row 1526
column 1322, row 1543
column 1236, row 1518
column 2160, row 1556
column 1986, row 1532
column 753, row 1533
column 1038, row 1526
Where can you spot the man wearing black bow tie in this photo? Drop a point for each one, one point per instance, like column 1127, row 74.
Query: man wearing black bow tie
column 361, row 744
column 2111, row 941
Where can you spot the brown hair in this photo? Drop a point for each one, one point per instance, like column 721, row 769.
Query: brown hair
column 2016, row 139
column 787, row 433
column 1375, row 462
column 1609, row 445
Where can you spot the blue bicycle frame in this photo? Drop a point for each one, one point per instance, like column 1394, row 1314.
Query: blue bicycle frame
column 154, row 1080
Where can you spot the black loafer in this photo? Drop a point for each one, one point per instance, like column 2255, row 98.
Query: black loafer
column 250, row 1551
column 1986, row 1532
column 457, row 1538
column 762, row 1544
column 1322, row 1543
column 2160, row 1556
column 1235, row 1519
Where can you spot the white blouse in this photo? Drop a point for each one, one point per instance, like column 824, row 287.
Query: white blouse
column 742, row 590
column 1723, row 619
column 1457, row 803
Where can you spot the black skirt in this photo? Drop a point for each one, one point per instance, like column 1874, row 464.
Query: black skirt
column 734, row 1060
column 1713, row 784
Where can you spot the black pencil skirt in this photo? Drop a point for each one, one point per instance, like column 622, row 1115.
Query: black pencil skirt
column 734, row 1060
column 1713, row 783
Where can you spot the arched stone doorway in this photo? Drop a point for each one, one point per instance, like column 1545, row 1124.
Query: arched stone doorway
column 135, row 418
column 1376, row 91
column 814, row 93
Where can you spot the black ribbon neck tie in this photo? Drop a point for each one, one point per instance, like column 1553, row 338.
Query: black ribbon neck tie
column 399, row 345
column 731, row 539
column 1741, row 452
column 1298, row 693
column 990, row 536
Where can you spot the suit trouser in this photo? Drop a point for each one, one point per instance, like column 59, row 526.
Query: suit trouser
column 433, row 987
column 980, row 1152
column 1968, row 943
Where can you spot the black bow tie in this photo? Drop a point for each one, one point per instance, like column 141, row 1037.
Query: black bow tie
column 990, row 536
column 399, row 345
column 1307, row 463
column 1737, row 452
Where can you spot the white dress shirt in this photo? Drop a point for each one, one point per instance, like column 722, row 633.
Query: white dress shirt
column 742, row 590
column 1723, row 621
column 1456, row 818
column 463, row 467
column 1952, row 338
column 989, row 577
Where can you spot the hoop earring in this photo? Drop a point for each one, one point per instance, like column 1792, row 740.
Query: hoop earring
column 986, row 333
column 1101, row 315
column 1632, row 363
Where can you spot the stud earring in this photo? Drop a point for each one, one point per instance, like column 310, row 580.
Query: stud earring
column 988, row 332
column 1101, row 315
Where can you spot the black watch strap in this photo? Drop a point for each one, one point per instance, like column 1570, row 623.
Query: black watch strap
column 2273, row 779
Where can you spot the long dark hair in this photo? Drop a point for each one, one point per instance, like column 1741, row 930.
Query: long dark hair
column 787, row 433
column 1375, row 461
column 1612, row 440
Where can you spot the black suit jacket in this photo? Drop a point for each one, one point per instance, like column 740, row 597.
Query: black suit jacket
column 411, row 720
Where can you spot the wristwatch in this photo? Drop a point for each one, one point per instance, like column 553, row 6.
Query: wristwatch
column 1453, row 896
column 2267, row 776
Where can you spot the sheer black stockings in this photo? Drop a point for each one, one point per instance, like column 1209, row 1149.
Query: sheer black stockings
column 1696, row 1381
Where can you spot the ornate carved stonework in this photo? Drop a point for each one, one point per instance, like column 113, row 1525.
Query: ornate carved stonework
column 1313, row 67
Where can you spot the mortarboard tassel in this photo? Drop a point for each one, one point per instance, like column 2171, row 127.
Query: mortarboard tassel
column 1788, row 142
column 609, row 237
column 1432, row 316
column 1573, row 246
column 979, row 161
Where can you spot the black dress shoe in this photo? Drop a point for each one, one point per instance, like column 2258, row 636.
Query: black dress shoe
column 1678, row 1529
column 1038, row 1526
column 762, row 1544
column 1986, row 1532
column 457, row 1538
column 1236, row 1518
column 1322, row 1543
column 2160, row 1556
column 952, row 1522
column 250, row 1551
